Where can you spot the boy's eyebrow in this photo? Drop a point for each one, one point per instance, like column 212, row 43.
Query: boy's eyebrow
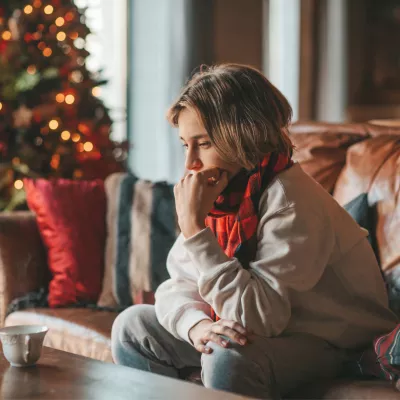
column 202, row 136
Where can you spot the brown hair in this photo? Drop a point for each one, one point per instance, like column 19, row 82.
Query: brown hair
column 245, row 116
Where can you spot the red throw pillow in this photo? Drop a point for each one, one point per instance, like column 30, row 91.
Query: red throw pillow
column 71, row 216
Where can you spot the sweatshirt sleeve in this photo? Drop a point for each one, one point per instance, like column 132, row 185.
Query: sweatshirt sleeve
column 178, row 303
column 292, row 253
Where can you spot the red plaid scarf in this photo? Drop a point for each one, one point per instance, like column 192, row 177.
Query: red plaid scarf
column 234, row 217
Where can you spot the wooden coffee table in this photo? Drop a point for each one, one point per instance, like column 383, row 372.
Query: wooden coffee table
column 62, row 375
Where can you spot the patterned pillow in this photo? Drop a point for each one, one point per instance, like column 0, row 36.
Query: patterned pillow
column 141, row 229
column 387, row 349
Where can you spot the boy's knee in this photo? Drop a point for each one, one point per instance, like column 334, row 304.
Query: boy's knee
column 227, row 367
column 128, row 330
column 134, row 322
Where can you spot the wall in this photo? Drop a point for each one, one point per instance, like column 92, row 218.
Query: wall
column 237, row 26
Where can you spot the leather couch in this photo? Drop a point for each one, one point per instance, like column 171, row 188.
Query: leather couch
column 347, row 159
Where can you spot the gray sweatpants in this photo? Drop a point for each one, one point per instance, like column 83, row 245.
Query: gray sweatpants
column 265, row 368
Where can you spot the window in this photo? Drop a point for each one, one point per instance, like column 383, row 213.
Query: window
column 108, row 53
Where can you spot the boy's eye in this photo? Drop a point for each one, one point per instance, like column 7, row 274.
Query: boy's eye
column 204, row 145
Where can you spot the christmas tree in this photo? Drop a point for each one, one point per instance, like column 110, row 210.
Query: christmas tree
column 52, row 121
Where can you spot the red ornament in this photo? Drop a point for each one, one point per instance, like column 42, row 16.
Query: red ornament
column 3, row 46
column 64, row 71
column 28, row 37
column 69, row 16
column 70, row 113
column 36, row 116
column 3, row 148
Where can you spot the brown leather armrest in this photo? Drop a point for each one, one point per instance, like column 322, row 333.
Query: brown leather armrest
column 23, row 261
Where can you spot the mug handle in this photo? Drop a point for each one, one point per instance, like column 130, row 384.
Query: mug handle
column 27, row 351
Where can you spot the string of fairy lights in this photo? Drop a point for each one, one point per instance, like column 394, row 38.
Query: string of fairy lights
column 67, row 97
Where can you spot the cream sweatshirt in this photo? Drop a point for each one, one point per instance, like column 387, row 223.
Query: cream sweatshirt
column 314, row 272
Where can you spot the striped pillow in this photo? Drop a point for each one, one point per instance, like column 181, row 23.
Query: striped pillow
column 141, row 229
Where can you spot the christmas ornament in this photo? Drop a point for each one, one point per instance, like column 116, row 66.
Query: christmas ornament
column 22, row 117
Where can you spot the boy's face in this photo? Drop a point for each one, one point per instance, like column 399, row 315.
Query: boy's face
column 200, row 152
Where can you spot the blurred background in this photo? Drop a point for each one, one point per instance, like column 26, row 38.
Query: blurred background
column 124, row 62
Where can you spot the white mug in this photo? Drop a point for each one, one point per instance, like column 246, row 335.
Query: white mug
column 22, row 344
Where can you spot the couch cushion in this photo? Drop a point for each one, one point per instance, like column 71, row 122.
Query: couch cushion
column 334, row 389
column 348, row 389
column 22, row 258
column 373, row 166
column 323, row 155
column 364, row 161
column 80, row 331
